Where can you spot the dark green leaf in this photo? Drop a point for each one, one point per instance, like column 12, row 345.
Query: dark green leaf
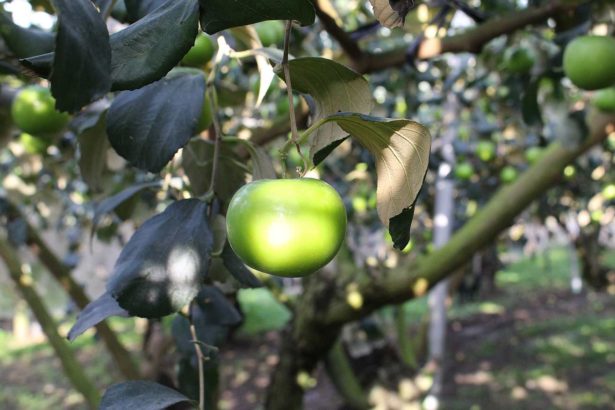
column 399, row 227
column 262, row 166
column 137, row 9
column 216, row 307
column 324, row 153
column 109, row 204
column 149, row 125
column 163, row 265
column 335, row 88
column 217, row 15
column 39, row 65
column 530, row 107
column 25, row 42
column 93, row 146
column 148, row 49
column 140, row 395
column 197, row 160
column 94, row 313
column 238, row 269
column 81, row 66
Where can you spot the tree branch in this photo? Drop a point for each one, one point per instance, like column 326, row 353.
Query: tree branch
column 322, row 311
column 72, row 368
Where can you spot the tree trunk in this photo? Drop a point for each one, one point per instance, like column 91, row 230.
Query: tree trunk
column 72, row 368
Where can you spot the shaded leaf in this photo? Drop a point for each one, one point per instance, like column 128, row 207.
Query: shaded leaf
column 93, row 146
column 94, row 313
column 149, row 125
column 163, row 265
column 148, row 49
column 82, row 61
column 530, row 109
column 238, row 269
column 137, row 9
column 324, row 153
column 262, row 165
column 109, row 204
column 334, row 88
column 216, row 307
column 401, row 149
column 197, row 161
column 39, row 65
column 399, row 227
column 24, row 42
column 217, row 15
column 140, row 395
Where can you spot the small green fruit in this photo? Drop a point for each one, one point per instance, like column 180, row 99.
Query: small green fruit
column 608, row 192
column 286, row 227
column 604, row 99
column 270, row 32
column 464, row 171
column 485, row 150
column 508, row 174
column 518, row 60
column 589, row 62
column 201, row 52
column 533, row 154
column 207, row 116
column 33, row 111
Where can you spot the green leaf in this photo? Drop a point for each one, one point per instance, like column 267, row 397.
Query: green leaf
column 93, row 146
column 39, row 65
column 140, row 395
column 163, row 265
column 197, row 161
column 262, row 166
column 82, row 61
column 148, row 49
column 25, row 42
column 238, row 269
column 217, row 15
column 149, row 125
column 217, row 309
column 137, row 9
column 335, row 88
column 401, row 149
column 530, row 108
column 111, row 203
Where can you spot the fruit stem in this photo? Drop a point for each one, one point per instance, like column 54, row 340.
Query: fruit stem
column 291, row 104
column 201, row 358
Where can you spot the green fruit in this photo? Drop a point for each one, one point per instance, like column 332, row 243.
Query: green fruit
column 604, row 99
column 485, row 150
column 608, row 192
column 282, row 106
column 464, row 171
column 533, row 154
column 508, row 174
column 33, row 111
column 207, row 116
column 589, row 62
column 33, row 145
column 518, row 60
column 201, row 52
column 359, row 204
column 286, row 227
column 270, row 32
column 570, row 171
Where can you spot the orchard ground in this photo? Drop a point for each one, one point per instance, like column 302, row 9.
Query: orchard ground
column 531, row 345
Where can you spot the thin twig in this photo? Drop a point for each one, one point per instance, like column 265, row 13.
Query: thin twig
column 107, row 12
column 291, row 101
column 201, row 358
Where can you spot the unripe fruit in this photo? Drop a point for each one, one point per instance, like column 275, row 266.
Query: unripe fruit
column 286, row 227
column 201, row 52
column 33, row 111
column 604, row 99
column 589, row 62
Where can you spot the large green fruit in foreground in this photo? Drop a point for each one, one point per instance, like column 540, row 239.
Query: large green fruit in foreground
column 270, row 32
column 33, row 111
column 589, row 62
column 201, row 52
column 604, row 99
column 286, row 227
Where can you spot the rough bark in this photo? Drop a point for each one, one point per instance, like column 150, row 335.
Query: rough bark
column 72, row 368
column 323, row 310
